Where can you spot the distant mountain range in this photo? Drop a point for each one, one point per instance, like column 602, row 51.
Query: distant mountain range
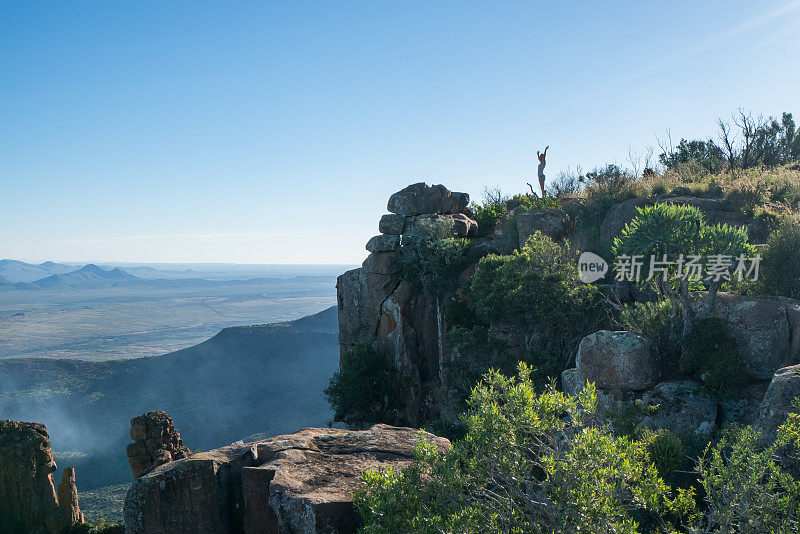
column 15, row 274
column 89, row 276
column 15, row 271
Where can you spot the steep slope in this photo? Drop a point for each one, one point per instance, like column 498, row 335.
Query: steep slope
column 245, row 380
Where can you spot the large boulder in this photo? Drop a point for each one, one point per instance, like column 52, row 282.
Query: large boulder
column 28, row 498
column 762, row 331
column 392, row 224
column 155, row 442
column 420, row 198
column 297, row 483
column 550, row 222
column 741, row 405
column 505, row 235
column 677, row 405
column 777, row 403
column 383, row 243
column 618, row 360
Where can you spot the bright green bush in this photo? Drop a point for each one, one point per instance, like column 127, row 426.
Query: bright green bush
column 745, row 488
column 528, row 463
column 780, row 264
column 710, row 354
column 366, row 389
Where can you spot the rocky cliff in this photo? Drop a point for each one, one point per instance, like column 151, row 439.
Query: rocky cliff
column 155, row 442
column 296, row 483
column 380, row 308
column 29, row 501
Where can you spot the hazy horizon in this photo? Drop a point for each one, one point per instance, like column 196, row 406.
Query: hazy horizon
column 273, row 132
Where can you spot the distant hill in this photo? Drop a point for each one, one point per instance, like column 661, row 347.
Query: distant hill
column 19, row 271
column 5, row 281
column 245, row 380
column 89, row 276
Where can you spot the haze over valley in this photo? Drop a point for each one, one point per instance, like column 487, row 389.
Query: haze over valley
column 104, row 312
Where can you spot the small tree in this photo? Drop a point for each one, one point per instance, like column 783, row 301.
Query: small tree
column 680, row 235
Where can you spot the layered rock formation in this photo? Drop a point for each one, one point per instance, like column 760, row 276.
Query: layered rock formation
column 155, row 442
column 297, row 483
column 378, row 308
column 28, row 499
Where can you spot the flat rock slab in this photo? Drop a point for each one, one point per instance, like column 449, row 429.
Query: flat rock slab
column 297, row 483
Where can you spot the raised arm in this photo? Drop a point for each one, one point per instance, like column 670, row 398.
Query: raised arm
column 545, row 150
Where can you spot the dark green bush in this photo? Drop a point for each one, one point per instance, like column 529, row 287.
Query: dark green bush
column 665, row 450
column 431, row 258
column 536, row 292
column 780, row 264
column 709, row 353
column 366, row 389
column 651, row 319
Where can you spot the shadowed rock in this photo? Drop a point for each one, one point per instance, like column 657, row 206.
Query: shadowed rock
column 28, row 499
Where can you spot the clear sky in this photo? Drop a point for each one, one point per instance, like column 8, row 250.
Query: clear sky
column 274, row 132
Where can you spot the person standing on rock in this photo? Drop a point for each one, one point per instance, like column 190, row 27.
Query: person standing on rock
column 542, row 163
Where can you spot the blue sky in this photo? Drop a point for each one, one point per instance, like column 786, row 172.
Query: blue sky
column 274, row 132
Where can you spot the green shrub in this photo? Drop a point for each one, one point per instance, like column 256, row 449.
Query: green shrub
column 528, row 463
column 780, row 264
column 529, row 202
column 536, row 293
column 430, row 257
column 366, row 389
column 710, row 353
column 745, row 488
column 673, row 230
column 650, row 319
column 665, row 449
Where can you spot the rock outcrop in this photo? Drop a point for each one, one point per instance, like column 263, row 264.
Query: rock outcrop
column 378, row 308
column 618, row 360
column 28, row 498
column 297, row 483
column 777, row 403
column 155, row 442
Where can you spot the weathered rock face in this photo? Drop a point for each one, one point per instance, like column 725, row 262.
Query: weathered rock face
column 763, row 332
column 618, row 360
column 377, row 308
column 28, row 498
column 682, row 406
column 777, row 403
column 298, row 483
column 420, row 198
column 383, row 243
column 155, row 442
column 550, row 222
